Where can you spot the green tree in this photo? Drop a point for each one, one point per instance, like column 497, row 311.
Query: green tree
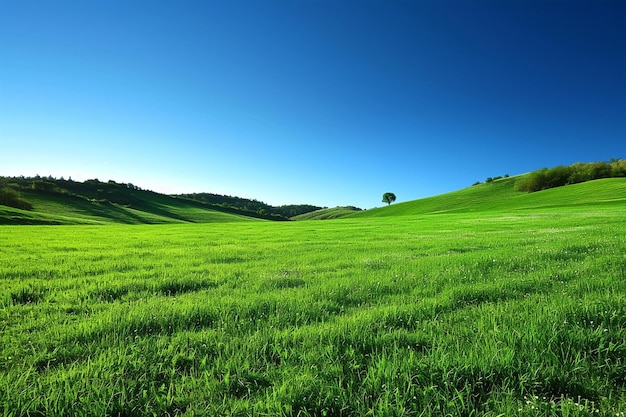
column 389, row 198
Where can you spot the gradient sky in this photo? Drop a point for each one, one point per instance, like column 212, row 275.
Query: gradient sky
column 301, row 101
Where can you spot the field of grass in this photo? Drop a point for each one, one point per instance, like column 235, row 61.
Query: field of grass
column 505, row 311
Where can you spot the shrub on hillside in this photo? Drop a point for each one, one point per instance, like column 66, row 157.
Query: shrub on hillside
column 11, row 198
column 558, row 176
column 492, row 179
column 46, row 186
column 532, row 182
column 618, row 168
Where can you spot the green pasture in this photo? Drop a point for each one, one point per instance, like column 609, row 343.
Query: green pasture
column 504, row 311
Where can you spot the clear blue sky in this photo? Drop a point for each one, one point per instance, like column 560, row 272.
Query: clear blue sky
column 326, row 102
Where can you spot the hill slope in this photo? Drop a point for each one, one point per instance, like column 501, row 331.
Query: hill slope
column 69, row 202
column 327, row 213
column 501, row 195
column 45, row 201
column 259, row 207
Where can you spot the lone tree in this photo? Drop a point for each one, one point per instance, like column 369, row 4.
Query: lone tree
column 389, row 198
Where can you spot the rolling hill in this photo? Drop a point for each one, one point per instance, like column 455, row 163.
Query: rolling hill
column 327, row 213
column 50, row 201
column 93, row 202
column 502, row 195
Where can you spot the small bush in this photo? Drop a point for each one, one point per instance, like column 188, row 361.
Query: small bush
column 11, row 198
column 618, row 168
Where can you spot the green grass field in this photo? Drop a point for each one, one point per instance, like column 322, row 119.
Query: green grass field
column 483, row 302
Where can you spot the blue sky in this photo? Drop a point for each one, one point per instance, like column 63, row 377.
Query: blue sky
column 301, row 101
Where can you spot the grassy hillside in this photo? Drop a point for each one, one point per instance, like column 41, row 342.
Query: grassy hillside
column 327, row 213
column 66, row 202
column 59, row 209
column 52, row 201
column 501, row 195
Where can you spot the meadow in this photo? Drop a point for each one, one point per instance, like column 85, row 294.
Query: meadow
column 496, row 312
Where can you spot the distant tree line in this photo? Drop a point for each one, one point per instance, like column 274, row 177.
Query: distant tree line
column 576, row 173
column 93, row 189
column 492, row 179
column 253, row 206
